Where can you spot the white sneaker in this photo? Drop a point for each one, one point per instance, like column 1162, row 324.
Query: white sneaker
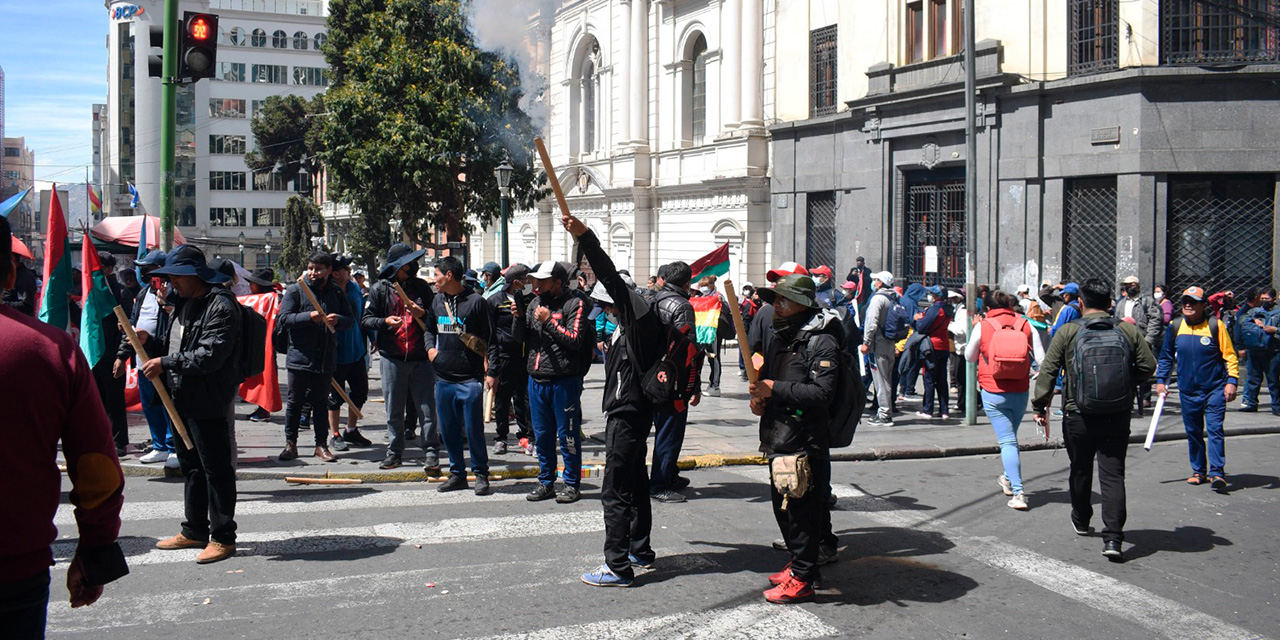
column 1018, row 502
column 154, row 456
column 1005, row 485
column 172, row 462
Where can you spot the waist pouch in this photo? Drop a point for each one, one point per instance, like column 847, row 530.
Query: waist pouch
column 791, row 476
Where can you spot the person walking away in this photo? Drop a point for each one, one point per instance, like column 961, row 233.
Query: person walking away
column 350, row 371
column 880, row 345
column 48, row 393
column 201, row 369
column 909, row 371
column 554, row 340
column 1143, row 313
column 459, row 343
column 407, row 376
column 1002, row 346
column 1200, row 347
column 676, row 313
column 1098, row 392
column 794, row 397
column 934, row 324
column 510, row 379
column 261, row 281
column 313, row 352
column 149, row 318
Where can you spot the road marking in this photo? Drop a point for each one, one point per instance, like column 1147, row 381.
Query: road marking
column 1168, row 618
column 303, row 501
column 747, row 621
column 142, row 551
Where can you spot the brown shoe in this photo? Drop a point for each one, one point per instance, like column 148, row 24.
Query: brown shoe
column 180, row 542
column 290, row 452
column 325, row 454
column 214, row 552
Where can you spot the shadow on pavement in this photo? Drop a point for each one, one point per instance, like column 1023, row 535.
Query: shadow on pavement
column 1251, row 481
column 873, row 502
column 1147, row 542
column 749, row 491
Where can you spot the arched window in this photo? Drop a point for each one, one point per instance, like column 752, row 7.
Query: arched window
column 237, row 37
column 698, row 90
column 320, row 39
column 280, row 39
column 259, row 38
column 301, row 41
column 584, row 97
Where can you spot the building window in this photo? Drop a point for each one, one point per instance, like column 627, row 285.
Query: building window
column 226, row 181
column 226, row 144
column 280, row 39
column 1093, row 35
column 259, row 38
column 226, row 217
column 187, row 216
column 583, row 97
column 938, row 28
column 320, row 39
column 1200, row 31
column 12, row 175
column 268, row 217
column 12, row 152
column 230, row 72
column 271, row 73
column 311, row 76
column 1220, row 230
column 237, row 38
column 915, row 32
column 226, row 108
column 933, row 29
column 301, row 41
column 820, row 228
column 698, row 91
column 270, row 181
column 822, row 71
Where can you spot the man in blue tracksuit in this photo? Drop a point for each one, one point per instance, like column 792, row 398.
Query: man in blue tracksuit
column 1208, row 372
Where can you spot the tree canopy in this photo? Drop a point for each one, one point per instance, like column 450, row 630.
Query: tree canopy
column 287, row 137
column 418, row 117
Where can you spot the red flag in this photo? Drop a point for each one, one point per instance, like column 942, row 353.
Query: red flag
column 715, row 263
column 264, row 388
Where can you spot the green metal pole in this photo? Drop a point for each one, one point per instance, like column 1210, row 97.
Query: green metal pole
column 506, row 232
column 168, row 121
column 971, row 206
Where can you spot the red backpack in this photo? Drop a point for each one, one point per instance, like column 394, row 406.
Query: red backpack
column 1006, row 353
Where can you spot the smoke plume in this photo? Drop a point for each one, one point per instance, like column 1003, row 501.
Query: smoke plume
column 503, row 25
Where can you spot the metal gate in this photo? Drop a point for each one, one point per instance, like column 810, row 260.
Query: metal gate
column 1220, row 231
column 935, row 217
column 1089, row 218
column 820, row 229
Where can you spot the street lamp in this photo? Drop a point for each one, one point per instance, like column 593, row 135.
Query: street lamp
column 503, row 174
column 316, row 240
column 267, row 246
column 242, row 248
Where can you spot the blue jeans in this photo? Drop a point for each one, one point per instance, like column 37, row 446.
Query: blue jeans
column 1005, row 410
column 24, row 607
column 458, row 406
column 402, row 381
column 1260, row 365
column 157, row 417
column 935, row 382
column 1203, row 412
column 668, row 437
column 554, row 409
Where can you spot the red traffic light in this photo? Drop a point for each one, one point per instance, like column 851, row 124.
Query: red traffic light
column 199, row 29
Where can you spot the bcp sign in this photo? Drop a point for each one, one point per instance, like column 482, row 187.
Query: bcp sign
column 127, row 12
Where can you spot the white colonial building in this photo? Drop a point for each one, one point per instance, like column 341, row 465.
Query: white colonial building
column 657, row 131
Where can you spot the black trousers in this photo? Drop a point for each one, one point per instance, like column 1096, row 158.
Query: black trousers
column 24, row 606
column 1105, row 437
column 628, row 515
column 311, row 389
column 512, row 387
column 209, row 495
column 806, row 523
column 356, row 378
column 111, row 390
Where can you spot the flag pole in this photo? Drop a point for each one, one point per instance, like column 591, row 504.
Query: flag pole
column 161, row 391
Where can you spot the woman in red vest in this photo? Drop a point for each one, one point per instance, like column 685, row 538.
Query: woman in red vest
column 1003, row 344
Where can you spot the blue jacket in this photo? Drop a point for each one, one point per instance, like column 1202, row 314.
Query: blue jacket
column 1204, row 363
column 1069, row 313
column 351, row 345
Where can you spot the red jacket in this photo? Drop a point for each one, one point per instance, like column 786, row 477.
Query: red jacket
column 48, row 395
column 999, row 318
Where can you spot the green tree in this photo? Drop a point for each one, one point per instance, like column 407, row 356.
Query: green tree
column 417, row 119
column 287, row 137
column 295, row 246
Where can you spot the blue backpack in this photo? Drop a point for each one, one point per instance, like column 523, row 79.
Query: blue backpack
column 1252, row 337
column 896, row 321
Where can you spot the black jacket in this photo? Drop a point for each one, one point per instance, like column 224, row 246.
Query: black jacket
column 454, row 361
column 205, row 372
column 509, row 354
column 675, row 311
column 406, row 342
column 312, row 347
column 22, row 297
column 552, row 347
column 805, row 370
column 640, row 339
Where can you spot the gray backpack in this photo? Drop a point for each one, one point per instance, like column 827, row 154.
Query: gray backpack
column 1101, row 372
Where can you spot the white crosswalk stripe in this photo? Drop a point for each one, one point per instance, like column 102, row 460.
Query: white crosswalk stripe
column 747, row 621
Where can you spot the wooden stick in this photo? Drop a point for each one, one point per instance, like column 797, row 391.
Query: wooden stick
column 740, row 328
column 161, row 391
column 404, row 297
column 488, row 404
column 347, row 399
column 296, row 480
column 315, row 304
column 551, row 175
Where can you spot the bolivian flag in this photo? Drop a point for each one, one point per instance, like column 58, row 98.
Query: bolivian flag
column 707, row 310
column 715, row 263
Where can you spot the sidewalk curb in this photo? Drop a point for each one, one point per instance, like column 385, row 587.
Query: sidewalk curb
column 874, row 454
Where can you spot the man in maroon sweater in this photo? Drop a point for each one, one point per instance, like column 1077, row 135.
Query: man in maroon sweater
column 47, row 390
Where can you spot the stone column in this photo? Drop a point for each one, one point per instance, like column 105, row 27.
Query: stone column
column 639, row 73
column 623, row 63
column 752, row 64
column 730, row 64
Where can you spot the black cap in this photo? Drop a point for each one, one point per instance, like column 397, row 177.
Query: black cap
column 262, row 277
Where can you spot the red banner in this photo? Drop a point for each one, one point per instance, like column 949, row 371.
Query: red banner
column 264, row 389
column 132, row 401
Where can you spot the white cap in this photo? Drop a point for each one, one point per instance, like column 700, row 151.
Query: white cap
column 884, row 277
column 547, row 269
column 600, row 294
column 1022, row 288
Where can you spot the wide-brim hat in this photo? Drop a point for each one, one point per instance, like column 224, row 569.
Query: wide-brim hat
column 264, row 277
column 187, row 260
column 398, row 256
column 795, row 287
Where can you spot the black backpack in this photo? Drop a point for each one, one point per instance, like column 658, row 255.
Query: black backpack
column 1102, row 367
column 253, row 343
column 849, row 402
column 675, row 375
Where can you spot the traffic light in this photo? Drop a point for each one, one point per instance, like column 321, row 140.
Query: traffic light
column 155, row 61
column 197, row 46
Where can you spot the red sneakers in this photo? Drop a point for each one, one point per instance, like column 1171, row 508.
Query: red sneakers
column 781, row 576
column 792, row 590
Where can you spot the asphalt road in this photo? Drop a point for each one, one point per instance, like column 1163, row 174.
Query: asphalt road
column 929, row 551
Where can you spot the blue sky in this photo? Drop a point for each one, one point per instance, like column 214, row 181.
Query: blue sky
column 55, row 64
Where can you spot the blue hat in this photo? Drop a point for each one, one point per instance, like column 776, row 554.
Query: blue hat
column 491, row 267
column 154, row 258
column 1072, row 288
column 187, row 260
column 398, row 256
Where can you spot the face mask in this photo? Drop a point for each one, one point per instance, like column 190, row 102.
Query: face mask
column 1158, row 295
column 706, row 291
column 1267, row 304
